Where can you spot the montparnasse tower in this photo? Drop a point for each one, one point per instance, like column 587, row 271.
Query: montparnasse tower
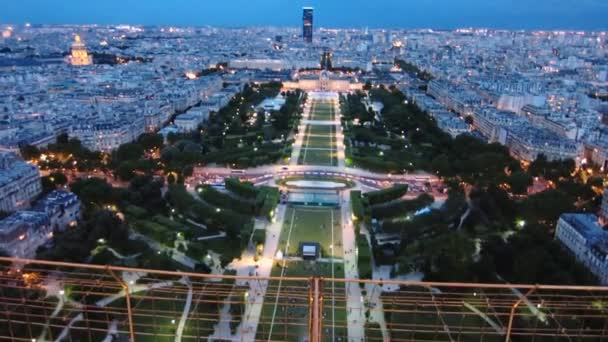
column 79, row 55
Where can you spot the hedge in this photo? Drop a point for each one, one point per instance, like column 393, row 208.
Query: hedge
column 386, row 195
column 270, row 201
column 416, row 228
column 356, row 203
column 401, row 207
column 259, row 236
column 243, row 189
column 364, row 260
column 135, row 211
column 155, row 231
column 228, row 219
column 219, row 199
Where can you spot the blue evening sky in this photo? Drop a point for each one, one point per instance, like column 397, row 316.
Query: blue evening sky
column 511, row 14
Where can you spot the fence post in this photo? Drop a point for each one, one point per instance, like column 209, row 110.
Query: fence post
column 125, row 288
column 315, row 307
column 513, row 308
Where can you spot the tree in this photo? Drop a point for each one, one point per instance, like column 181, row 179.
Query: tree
column 519, row 182
column 62, row 138
column 93, row 190
column 151, row 141
column 441, row 164
column 188, row 171
column 47, row 185
column 59, row 178
column 129, row 151
column 29, row 152
column 126, row 170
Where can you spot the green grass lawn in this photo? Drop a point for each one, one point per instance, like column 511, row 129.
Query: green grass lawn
column 318, row 157
column 322, row 110
column 321, row 130
column 320, row 142
column 308, row 224
column 323, row 137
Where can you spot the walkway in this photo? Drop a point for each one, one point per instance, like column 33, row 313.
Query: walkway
column 355, row 310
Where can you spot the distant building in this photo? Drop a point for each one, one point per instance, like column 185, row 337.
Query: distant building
column 585, row 238
column 109, row 134
column 326, row 60
column 325, row 81
column 80, row 56
column 23, row 232
column 604, row 206
column 19, row 182
column 307, row 23
column 190, row 121
column 62, row 207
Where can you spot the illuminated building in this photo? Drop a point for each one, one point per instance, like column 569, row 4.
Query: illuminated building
column 80, row 56
column 307, row 20
column 326, row 60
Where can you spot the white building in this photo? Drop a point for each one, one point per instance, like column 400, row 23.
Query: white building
column 19, row 182
column 190, row 121
column 109, row 135
column 23, row 232
column 585, row 238
column 62, row 207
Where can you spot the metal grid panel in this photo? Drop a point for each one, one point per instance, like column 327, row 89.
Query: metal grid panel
column 42, row 300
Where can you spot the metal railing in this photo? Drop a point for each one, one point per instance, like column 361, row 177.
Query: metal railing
column 44, row 301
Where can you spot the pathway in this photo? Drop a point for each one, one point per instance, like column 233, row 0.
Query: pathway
column 257, row 289
column 354, row 306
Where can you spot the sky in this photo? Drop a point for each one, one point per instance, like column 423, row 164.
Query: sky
column 438, row 14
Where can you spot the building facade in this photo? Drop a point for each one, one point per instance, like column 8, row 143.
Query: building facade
column 23, row 232
column 19, row 182
column 62, row 207
column 585, row 238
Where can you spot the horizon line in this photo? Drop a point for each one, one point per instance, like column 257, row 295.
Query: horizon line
column 368, row 27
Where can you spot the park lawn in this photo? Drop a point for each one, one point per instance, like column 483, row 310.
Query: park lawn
column 309, row 224
column 323, row 137
column 291, row 318
column 320, row 130
column 323, row 115
column 322, row 111
column 318, row 157
column 315, row 141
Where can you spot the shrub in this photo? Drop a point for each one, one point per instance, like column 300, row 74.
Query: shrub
column 243, row 189
column 386, row 195
column 401, row 207
column 364, row 259
column 356, row 203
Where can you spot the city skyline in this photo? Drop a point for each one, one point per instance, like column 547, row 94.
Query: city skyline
column 249, row 171
column 438, row 14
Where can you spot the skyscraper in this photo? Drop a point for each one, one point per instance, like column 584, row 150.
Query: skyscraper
column 307, row 16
